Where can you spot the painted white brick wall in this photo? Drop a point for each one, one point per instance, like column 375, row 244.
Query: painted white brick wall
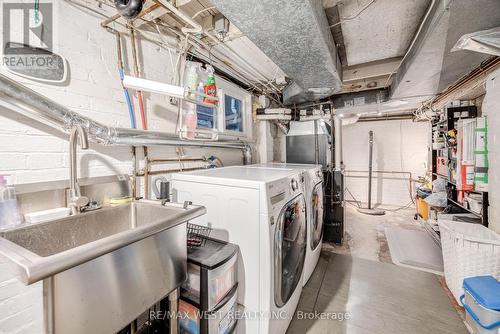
column 398, row 146
column 31, row 152
column 491, row 108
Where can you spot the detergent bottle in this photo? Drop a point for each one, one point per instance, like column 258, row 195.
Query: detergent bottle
column 210, row 89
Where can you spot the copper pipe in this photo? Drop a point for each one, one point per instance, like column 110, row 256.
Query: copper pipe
column 386, row 172
column 166, row 171
column 159, row 161
column 115, row 17
column 146, row 173
column 137, row 74
column 134, row 172
column 478, row 74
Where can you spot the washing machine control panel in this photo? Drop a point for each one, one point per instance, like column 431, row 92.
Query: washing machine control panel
column 281, row 191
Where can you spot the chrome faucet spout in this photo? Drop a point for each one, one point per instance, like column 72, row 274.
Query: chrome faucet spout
column 76, row 201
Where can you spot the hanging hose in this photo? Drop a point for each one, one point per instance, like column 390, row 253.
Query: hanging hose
column 121, row 73
column 137, row 74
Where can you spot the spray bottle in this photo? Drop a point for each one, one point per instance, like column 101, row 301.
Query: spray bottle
column 210, row 89
column 9, row 213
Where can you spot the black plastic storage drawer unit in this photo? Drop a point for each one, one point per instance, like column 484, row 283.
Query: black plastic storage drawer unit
column 208, row 297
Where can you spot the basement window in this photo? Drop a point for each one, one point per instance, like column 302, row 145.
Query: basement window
column 235, row 110
column 233, row 113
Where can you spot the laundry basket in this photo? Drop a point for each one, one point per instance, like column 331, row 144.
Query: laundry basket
column 468, row 250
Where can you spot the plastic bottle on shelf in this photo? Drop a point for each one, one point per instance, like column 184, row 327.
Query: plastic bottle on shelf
column 9, row 213
column 192, row 77
column 200, row 90
column 190, row 120
column 210, row 89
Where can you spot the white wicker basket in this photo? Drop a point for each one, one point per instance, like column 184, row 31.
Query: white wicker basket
column 468, row 250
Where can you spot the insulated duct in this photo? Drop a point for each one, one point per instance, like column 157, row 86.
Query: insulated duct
column 296, row 37
column 21, row 99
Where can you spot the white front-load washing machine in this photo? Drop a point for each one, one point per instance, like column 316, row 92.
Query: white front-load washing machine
column 314, row 205
column 264, row 212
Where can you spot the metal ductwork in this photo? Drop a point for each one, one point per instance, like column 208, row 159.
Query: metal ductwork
column 296, row 37
column 429, row 66
column 27, row 102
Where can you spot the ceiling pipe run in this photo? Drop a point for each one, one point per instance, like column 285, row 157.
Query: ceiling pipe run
column 388, row 117
column 301, row 44
column 195, row 27
column 27, row 102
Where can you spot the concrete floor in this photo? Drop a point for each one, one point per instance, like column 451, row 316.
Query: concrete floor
column 365, row 236
column 354, row 283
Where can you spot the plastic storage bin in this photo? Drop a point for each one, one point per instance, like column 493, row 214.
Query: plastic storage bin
column 222, row 320
column 468, row 250
column 212, row 273
column 482, row 304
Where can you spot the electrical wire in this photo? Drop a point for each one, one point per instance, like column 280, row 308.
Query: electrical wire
column 358, row 204
column 353, row 16
column 37, row 11
column 174, row 67
column 202, row 11
column 222, row 63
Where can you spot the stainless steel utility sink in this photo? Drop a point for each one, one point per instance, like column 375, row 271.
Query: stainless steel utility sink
column 103, row 267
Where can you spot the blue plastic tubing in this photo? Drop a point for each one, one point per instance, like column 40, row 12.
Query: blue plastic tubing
column 129, row 101
column 476, row 318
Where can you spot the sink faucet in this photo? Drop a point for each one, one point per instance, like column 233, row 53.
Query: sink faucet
column 76, row 201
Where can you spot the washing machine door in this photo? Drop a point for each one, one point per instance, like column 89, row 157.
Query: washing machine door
column 290, row 244
column 316, row 223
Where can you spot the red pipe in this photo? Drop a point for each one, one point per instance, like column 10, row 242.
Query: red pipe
column 141, row 110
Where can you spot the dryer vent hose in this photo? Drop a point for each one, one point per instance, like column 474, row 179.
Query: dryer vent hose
column 129, row 9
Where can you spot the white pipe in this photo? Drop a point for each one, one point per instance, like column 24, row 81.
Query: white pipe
column 337, row 130
column 153, row 86
column 250, row 66
column 250, row 71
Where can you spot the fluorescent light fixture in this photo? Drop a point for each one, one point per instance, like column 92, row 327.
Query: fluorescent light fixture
column 153, row 86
